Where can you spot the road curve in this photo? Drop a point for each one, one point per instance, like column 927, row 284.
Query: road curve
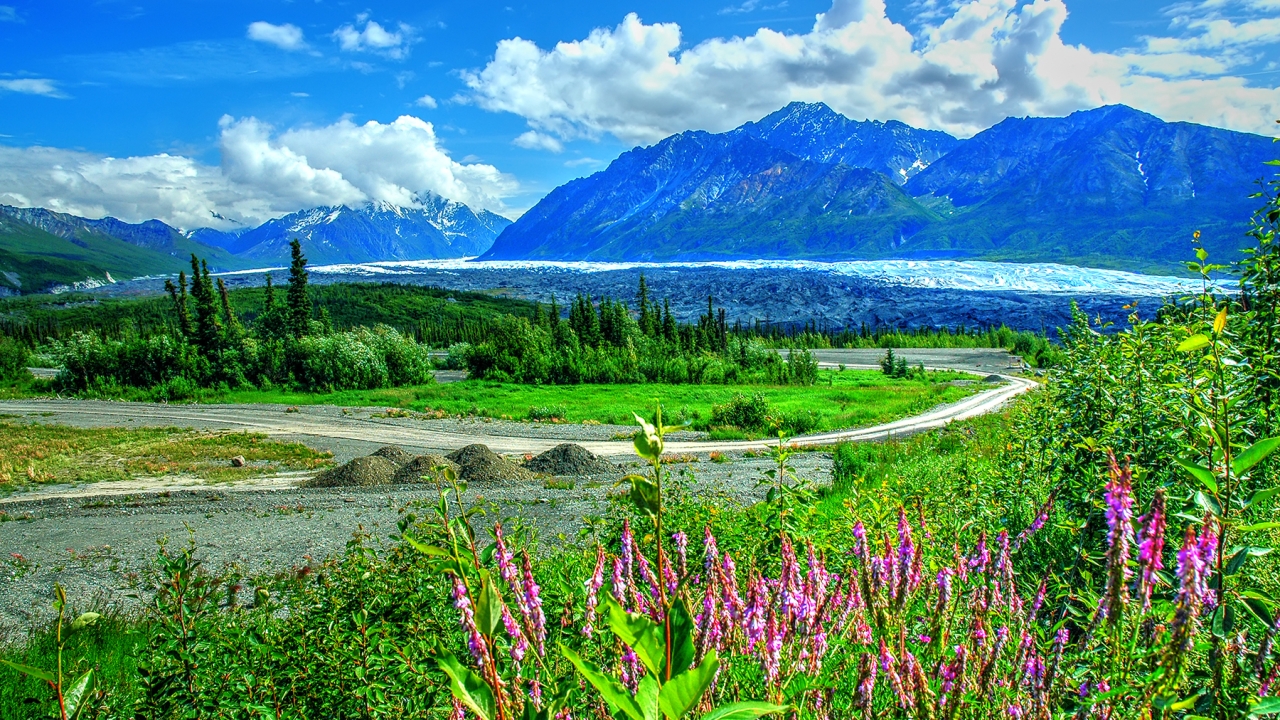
column 310, row 421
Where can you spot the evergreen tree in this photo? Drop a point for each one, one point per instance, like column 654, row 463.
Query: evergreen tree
column 539, row 316
column 647, row 324
column 271, row 323
column 555, row 313
column 297, row 300
column 669, row 330
column 179, row 296
column 208, row 331
column 234, row 331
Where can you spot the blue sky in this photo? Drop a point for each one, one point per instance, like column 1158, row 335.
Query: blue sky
column 227, row 113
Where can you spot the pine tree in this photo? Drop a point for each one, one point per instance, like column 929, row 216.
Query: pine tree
column 297, row 300
column 271, row 323
column 539, row 316
column 669, row 330
column 554, row 315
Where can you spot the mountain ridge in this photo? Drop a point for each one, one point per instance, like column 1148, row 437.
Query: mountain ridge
column 1108, row 187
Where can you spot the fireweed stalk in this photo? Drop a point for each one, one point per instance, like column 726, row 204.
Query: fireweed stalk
column 862, row 633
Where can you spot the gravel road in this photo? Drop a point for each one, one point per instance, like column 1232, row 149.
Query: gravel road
column 92, row 537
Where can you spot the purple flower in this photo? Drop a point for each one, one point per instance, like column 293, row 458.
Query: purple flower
column 459, row 711
column 593, row 592
column 1036, row 525
column 519, row 645
column 772, row 655
column 1120, row 531
column 711, row 552
column 730, row 599
column 506, row 568
column 475, row 641
column 1150, row 548
column 1192, row 589
column 866, row 682
column 535, row 619
column 682, row 552
column 1207, row 546
column 757, row 610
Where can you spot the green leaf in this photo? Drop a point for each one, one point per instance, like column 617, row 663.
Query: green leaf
column 683, row 653
column 1195, row 342
column 433, row 550
column 1262, row 496
column 488, row 605
column 682, row 692
column 1255, row 454
column 1208, row 504
column 73, row 699
column 642, row 634
column 1265, row 706
column 1199, row 472
column 1256, row 527
column 1260, row 609
column 467, row 686
column 1236, row 562
column 33, row 672
column 647, row 692
column 617, row 696
column 744, row 711
column 645, row 495
column 84, row 621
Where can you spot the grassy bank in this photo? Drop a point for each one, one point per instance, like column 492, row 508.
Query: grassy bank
column 33, row 453
column 851, row 398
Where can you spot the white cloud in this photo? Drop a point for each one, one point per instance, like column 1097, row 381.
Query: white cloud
column 427, row 101
column 983, row 60
column 263, row 174
column 9, row 13
column 32, row 86
column 373, row 37
column 579, row 162
column 537, row 141
column 300, row 94
column 285, row 37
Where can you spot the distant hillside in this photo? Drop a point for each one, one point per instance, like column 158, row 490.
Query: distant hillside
column 437, row 228
column 1111, row 187
column 40, row 249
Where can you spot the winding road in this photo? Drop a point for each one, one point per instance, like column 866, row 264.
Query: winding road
column 327, row 422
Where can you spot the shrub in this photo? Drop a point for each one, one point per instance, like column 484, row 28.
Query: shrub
column 748, row 413
column 342, row 360
column 548, row 412
column 800, row 422
column 13, row 359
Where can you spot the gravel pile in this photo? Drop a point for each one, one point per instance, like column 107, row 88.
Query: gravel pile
column 360, row 472
column 571, row 459
column 480, row 464
column 394, row 453
column 420, row 466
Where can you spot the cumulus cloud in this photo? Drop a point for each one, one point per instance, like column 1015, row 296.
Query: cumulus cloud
column 366, row 35
column 285, row 37
column 981, row 61
column 32, row 86
column 263, row 174
column 427, row 101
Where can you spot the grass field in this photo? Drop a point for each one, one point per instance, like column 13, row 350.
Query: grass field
column 32, row 453
column 852, row 398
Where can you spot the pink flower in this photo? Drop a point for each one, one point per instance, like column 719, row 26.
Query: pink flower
column 593, row 592
column 1150, row 548
column 535, row 618
column 1120, row 530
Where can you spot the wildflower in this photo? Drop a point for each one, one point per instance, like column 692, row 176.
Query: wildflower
column 682, row 552
column 1150, row 549
column 631, row 671
column 535, row 619
column 1120, row 530
column 519, row 645
column 906, row 552
column 593, row 592
column 789, row 593
column 952, row 676
column 866, row 683
column 506, row 568
column 475, row 641
column 730, row 599
column 772, row 647
column 1207, row 546
column 754, row 622
column 1191, row 597
column 889, row 666
column 1036, row 525
column 712, row 553
column 459, row 711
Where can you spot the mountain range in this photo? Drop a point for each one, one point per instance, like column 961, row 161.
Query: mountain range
column 1109, row 187
column 41, row 249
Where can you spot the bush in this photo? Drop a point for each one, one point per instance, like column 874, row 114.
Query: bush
column 799, row 422
column 342, row 360
column 13, row 359
column 747, row 413
column 548, row 412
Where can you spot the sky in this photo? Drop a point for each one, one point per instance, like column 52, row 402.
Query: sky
column 228, row 113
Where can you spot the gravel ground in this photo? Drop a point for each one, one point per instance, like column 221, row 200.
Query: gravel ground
column 95, row 545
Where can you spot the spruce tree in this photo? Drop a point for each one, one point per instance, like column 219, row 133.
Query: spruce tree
column 298, row 303
column 207, row 332
column 554, row 315
column 539, row 316
column 669, row 330
column 179, row 296
column 234, row 331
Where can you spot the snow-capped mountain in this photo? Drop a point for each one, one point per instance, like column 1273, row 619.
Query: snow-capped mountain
column 374, row 231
